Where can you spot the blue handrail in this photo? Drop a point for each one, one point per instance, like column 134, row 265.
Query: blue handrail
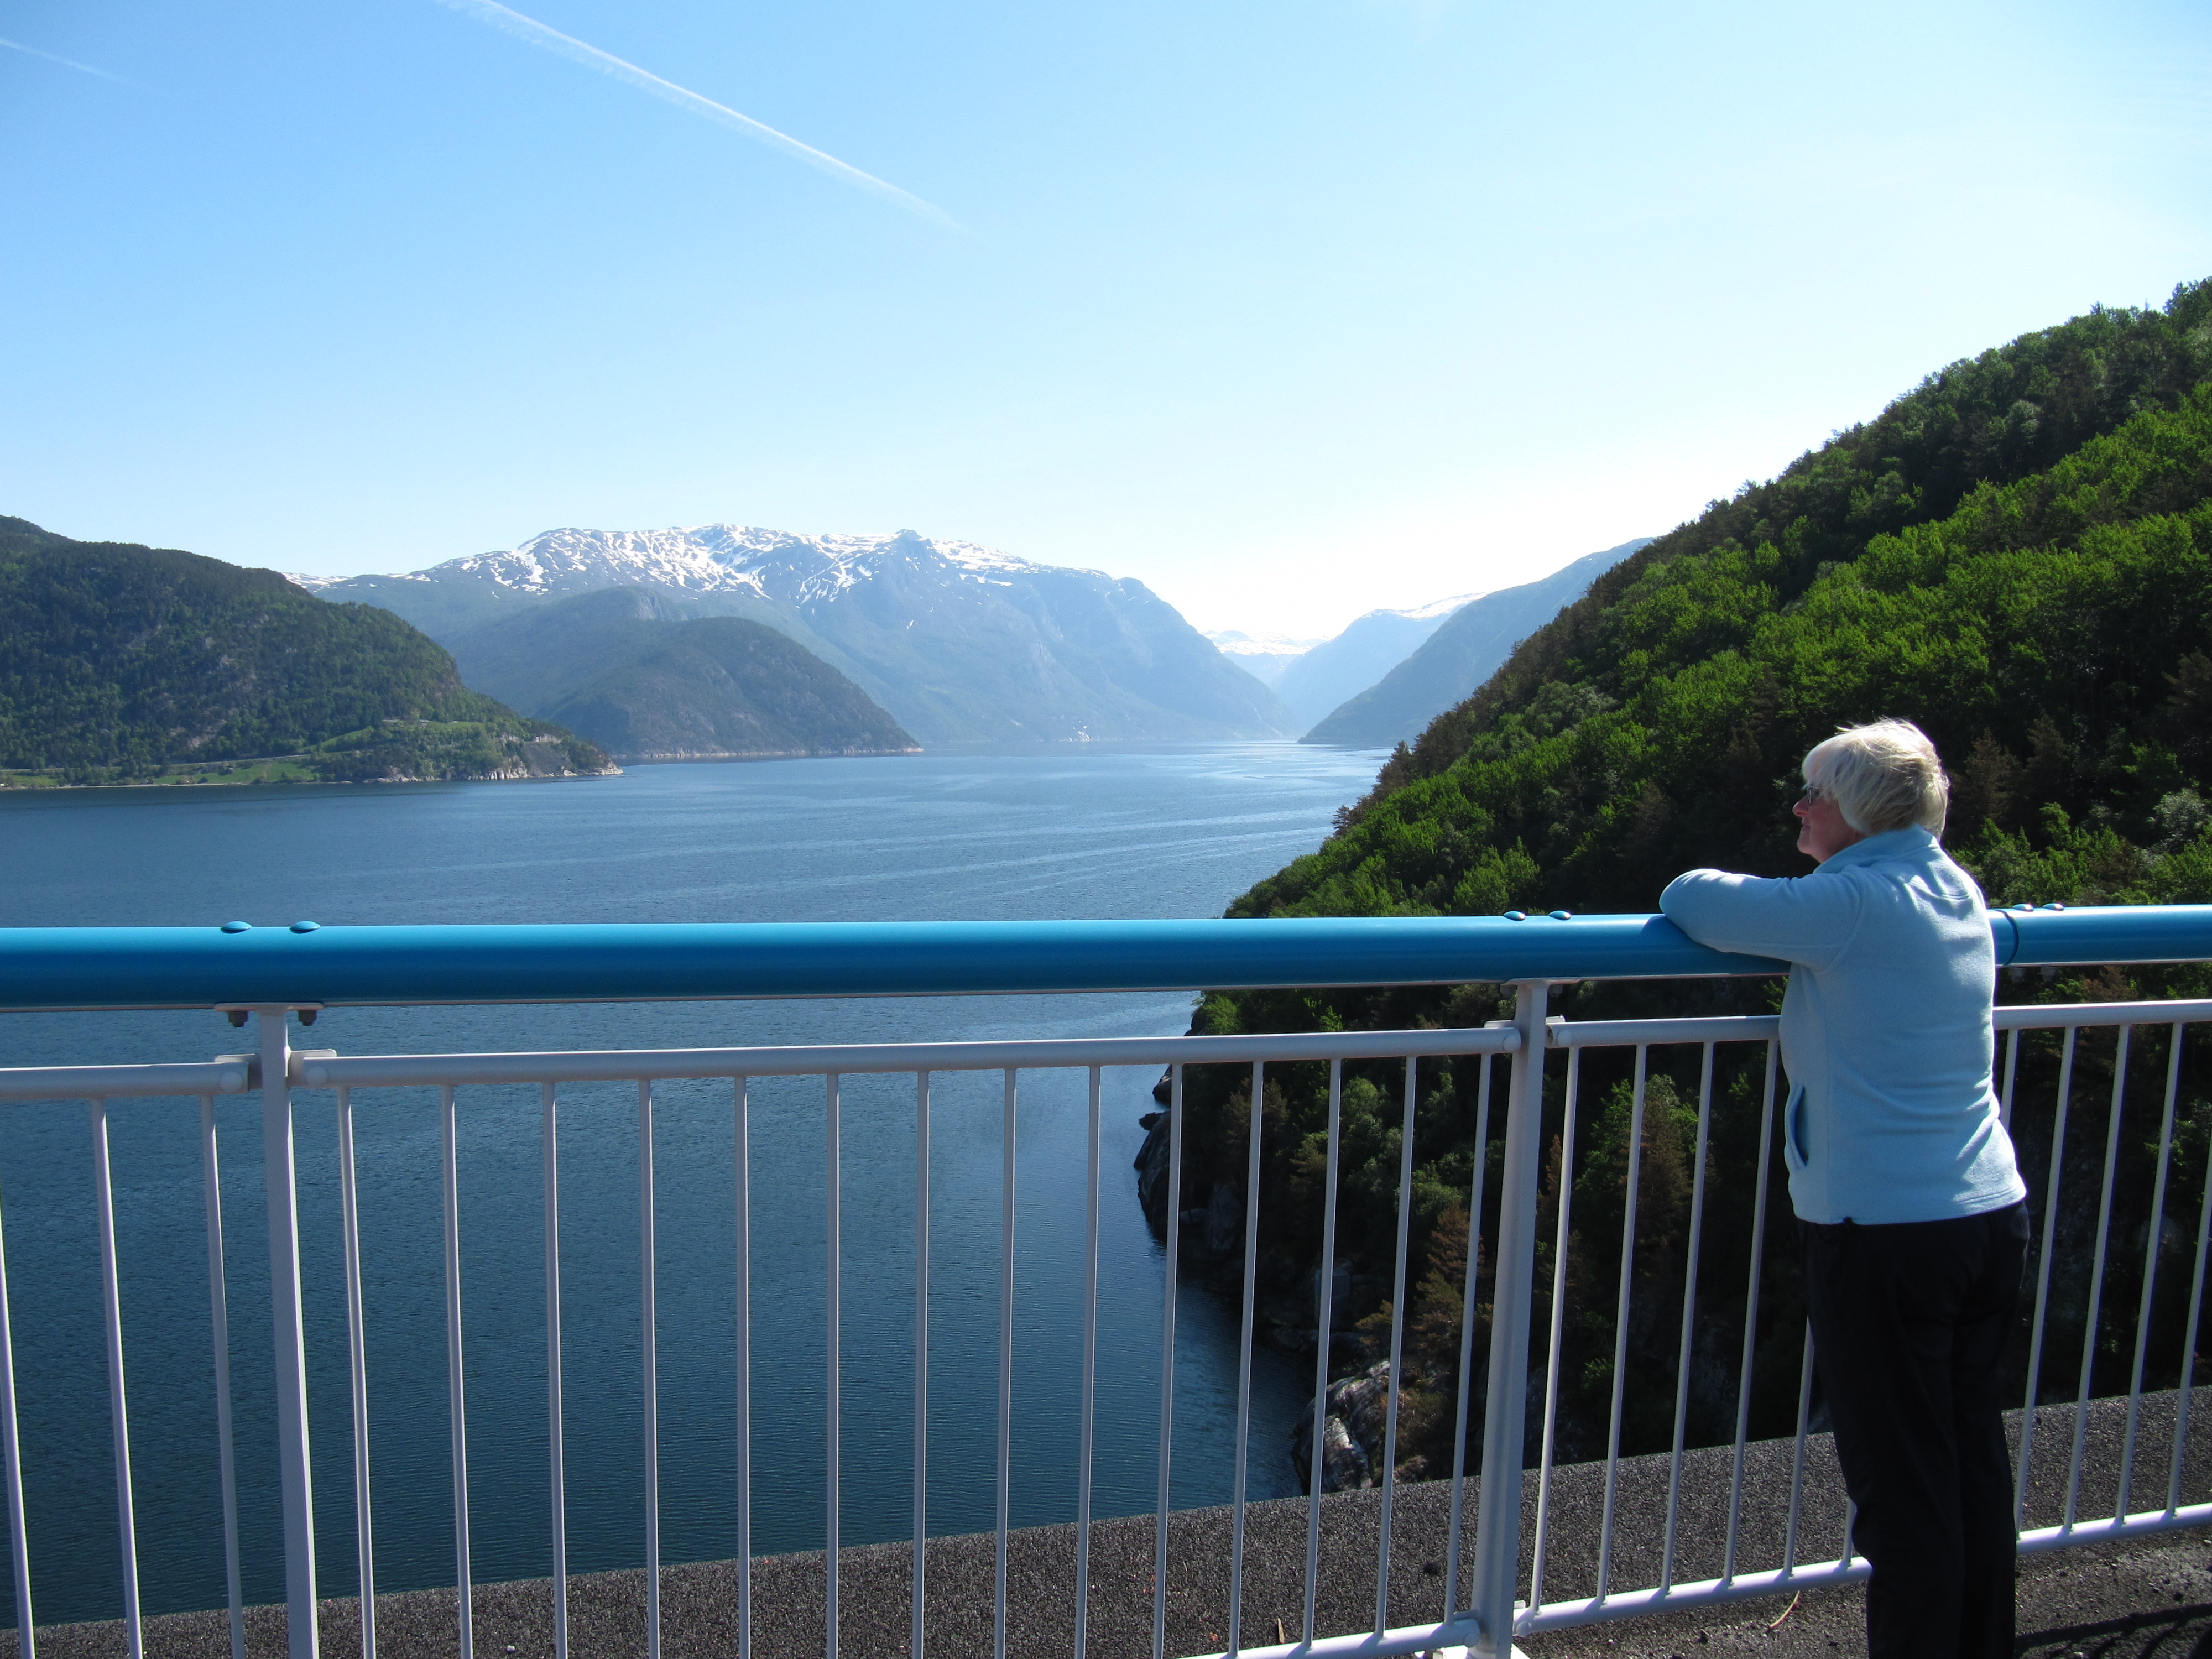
column 304, row 964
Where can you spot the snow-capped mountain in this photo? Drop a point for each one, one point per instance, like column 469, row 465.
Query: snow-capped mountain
column 960, row 643
column 713, row 558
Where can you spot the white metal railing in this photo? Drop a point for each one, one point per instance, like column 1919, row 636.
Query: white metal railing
column 1608, row 1602
column 1474, row 1591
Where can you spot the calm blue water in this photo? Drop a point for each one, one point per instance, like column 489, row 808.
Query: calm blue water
column 1118, row 832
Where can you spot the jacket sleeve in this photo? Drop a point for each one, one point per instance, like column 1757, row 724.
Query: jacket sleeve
column 1807, row 919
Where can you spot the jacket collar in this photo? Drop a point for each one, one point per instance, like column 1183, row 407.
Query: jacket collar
column 1911, row 842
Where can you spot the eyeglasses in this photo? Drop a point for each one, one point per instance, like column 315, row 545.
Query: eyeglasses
column 1812, row 797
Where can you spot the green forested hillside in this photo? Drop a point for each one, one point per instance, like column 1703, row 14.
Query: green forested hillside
column 120, row 663
column 1952, row 561
column 649, row 676
column 2017, row 554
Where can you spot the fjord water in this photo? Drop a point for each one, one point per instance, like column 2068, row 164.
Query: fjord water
column 1095, row 832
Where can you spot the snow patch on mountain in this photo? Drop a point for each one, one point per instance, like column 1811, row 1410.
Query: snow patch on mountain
column 1435, row 608
column 721, row 558
column 1235, row 642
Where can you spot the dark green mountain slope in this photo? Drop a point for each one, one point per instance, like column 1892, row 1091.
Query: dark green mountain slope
column 119, row 662
column 2018, row 555
column 534, row 656
column 646, row 676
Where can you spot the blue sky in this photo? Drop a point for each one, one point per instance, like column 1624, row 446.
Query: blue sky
column 1291, row 310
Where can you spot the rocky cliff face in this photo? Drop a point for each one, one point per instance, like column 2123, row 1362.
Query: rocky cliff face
column 1355, row 1433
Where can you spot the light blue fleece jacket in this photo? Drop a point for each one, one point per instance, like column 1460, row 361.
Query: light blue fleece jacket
column 1886, row 1028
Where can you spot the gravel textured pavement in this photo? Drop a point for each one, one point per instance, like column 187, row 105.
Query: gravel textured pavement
column 2139, row 1597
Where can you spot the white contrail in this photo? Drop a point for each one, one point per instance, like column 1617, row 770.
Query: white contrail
column 71, row 63
column 537, row 35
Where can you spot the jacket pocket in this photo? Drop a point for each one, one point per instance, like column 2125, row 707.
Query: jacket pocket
column 1793, row 1129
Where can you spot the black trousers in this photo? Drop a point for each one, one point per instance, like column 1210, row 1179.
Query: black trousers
column 1910, row 1327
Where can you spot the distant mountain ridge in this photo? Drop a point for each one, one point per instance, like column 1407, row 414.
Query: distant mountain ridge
column 1463, row 651
column 958, row 643
column 647, row 676
column 1263, row 656
column 1370, row 647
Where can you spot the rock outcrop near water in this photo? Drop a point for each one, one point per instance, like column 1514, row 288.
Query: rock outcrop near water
column 1354, row 1435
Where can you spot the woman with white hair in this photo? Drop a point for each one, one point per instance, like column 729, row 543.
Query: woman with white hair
column 1910, row 1207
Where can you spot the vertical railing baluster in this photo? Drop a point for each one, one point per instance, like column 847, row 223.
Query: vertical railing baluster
column 2011, row 1072
column 744, row 1219
column 1467, row 1338
column 1244, row 1354
column 1167, row 1364
column 456, row 1393
column 2048, row 1250
column 1090, row 1383
column 556, row 1459
column 1766, row 1103
column 1326, row 1311
column 1797, row 1451
column 2187, row 1381
column 11, row 1455
column 1004, row 1495
column 2097, row 1273
column 1498, row 1515
column 649, row 1353
column 2150, row 1271
column 357, row 1364
column 1397, row 1350
column 1689, row 1312
column 922, row 1354
column 833, row 1292
column 1621, row 1327
column 1553, row 1353
column 119, row 1413
column 219, row 1322
column 295, row 1464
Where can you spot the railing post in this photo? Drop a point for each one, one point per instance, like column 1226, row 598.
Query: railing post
column 291, row 1343
column 1498, row 1516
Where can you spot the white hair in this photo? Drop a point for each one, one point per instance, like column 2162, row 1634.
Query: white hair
column 1885, row 775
